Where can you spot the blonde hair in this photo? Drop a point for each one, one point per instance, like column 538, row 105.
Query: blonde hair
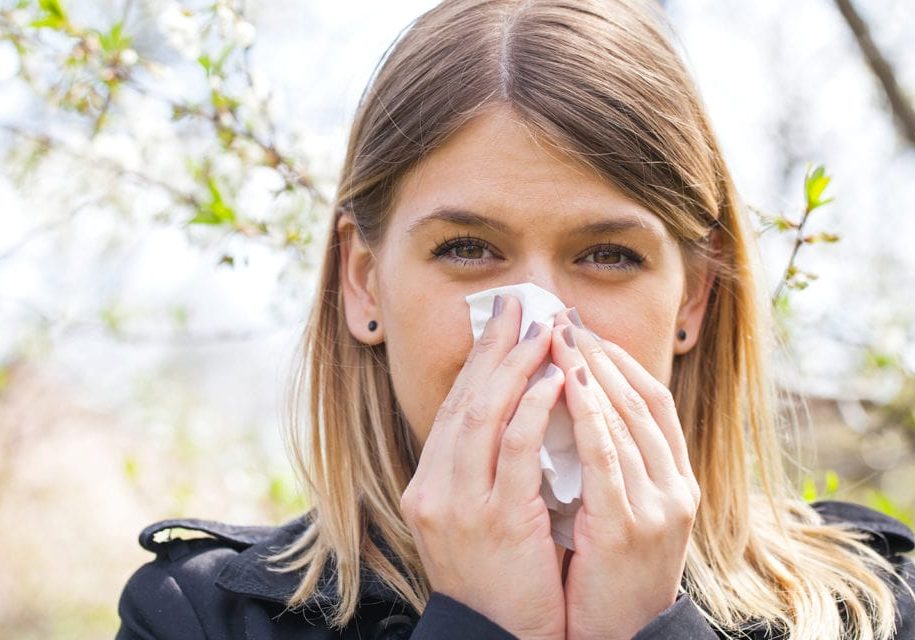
column 600, row 81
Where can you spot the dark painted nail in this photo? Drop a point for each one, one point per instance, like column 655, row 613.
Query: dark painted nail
column 575, row 318
column 568, row 337
column 497, row 304
column 582, row 376
column 532, row 331
column 551, row 371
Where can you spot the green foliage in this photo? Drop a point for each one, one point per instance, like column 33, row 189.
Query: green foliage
column 53, row 16
column 880, row 501
column 880, row 360
column 216, row 210
column 115, row 41
column 815, row 184
column 816, row 180
column 131, row 469
column 810, row 488
column 284, row 496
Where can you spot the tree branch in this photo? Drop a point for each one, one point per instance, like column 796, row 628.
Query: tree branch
column 900, row 105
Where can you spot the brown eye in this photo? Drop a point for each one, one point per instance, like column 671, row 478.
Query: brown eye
column 608, row 257
column 468, row 251
column 613, row 258
column 464, row 251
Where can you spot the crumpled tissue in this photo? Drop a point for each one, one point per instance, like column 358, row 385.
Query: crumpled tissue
column 561, row 484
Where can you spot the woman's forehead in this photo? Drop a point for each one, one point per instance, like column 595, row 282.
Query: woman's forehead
column 496, row 173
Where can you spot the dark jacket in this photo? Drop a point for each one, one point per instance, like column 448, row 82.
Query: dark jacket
column 219, row 587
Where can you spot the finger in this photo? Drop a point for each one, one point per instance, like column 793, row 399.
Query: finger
column 567, row 356
column 603, row 481
column 659, row 399
column 498, row 338
column 518, row 471
column 652, row 444
column 476, row 446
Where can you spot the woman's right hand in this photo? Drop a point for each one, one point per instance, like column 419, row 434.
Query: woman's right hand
column 474, row 506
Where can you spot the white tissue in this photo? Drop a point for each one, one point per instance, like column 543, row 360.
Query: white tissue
column 561, row 485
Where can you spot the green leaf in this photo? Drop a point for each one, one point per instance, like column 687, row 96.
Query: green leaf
column 131, row 468
column 832, row 482
column 882, row 360
column 112, row 318
column 782, row 304
column 883, row 503
column 815, row 184
column 114, row 40
column 54, row 8
column 216, row 211
column 822, row 236
column 809, row 489
column 49, row 22
column 783, row 224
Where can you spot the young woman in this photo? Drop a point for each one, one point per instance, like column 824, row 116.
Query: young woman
column 562, row 143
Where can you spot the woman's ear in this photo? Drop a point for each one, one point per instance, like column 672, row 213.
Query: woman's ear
column 700, row 276
column 358, row 281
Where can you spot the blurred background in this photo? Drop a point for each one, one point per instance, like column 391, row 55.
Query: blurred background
column 165, row 169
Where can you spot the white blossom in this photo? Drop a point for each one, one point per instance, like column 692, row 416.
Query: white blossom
column 182, row 29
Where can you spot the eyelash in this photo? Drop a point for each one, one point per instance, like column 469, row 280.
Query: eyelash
column 446, row 245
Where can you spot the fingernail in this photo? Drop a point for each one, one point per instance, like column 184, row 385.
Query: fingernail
column 532, row 331
column 568, row 337
column 551, row 371
column 575, row 318
column 497, row 304
column 582, row 376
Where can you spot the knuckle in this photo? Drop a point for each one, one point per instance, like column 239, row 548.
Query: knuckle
column 633, row 402
column 684, row 513
column 485, row 344
column 616, row 424
column 475, row 417
column 606, row 457
column 593, row 348
column 592, row 414
column 515, row 442
column 452, row 404
column 425, row 513
column 662, row 396
column 513, row 358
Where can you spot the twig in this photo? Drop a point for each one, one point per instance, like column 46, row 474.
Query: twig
column 899, row 104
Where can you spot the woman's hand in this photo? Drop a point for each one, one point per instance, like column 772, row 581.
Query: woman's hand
column 639, row 495
column 474, row 506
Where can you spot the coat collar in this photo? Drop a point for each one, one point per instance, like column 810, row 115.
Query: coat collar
column 249, row 573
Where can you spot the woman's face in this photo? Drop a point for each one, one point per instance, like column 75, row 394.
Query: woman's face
column 493, row 207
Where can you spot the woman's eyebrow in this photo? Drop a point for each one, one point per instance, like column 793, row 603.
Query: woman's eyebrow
column 471, row 219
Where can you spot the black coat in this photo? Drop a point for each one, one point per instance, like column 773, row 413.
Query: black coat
column 219, row 587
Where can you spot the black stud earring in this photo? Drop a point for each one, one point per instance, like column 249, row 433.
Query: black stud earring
column 681, row 334
column 373, row 325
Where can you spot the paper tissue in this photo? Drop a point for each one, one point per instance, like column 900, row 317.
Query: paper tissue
column 561, row 485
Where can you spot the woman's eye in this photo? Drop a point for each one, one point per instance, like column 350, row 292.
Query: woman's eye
column 465, row 250
column 614, row 257
column 469, row 251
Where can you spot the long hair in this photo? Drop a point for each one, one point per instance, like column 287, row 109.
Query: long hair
column 601, row 81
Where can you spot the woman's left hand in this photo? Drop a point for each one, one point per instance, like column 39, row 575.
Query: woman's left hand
column 639, row 494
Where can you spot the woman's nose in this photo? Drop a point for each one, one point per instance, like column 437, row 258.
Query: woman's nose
column 541, row 273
